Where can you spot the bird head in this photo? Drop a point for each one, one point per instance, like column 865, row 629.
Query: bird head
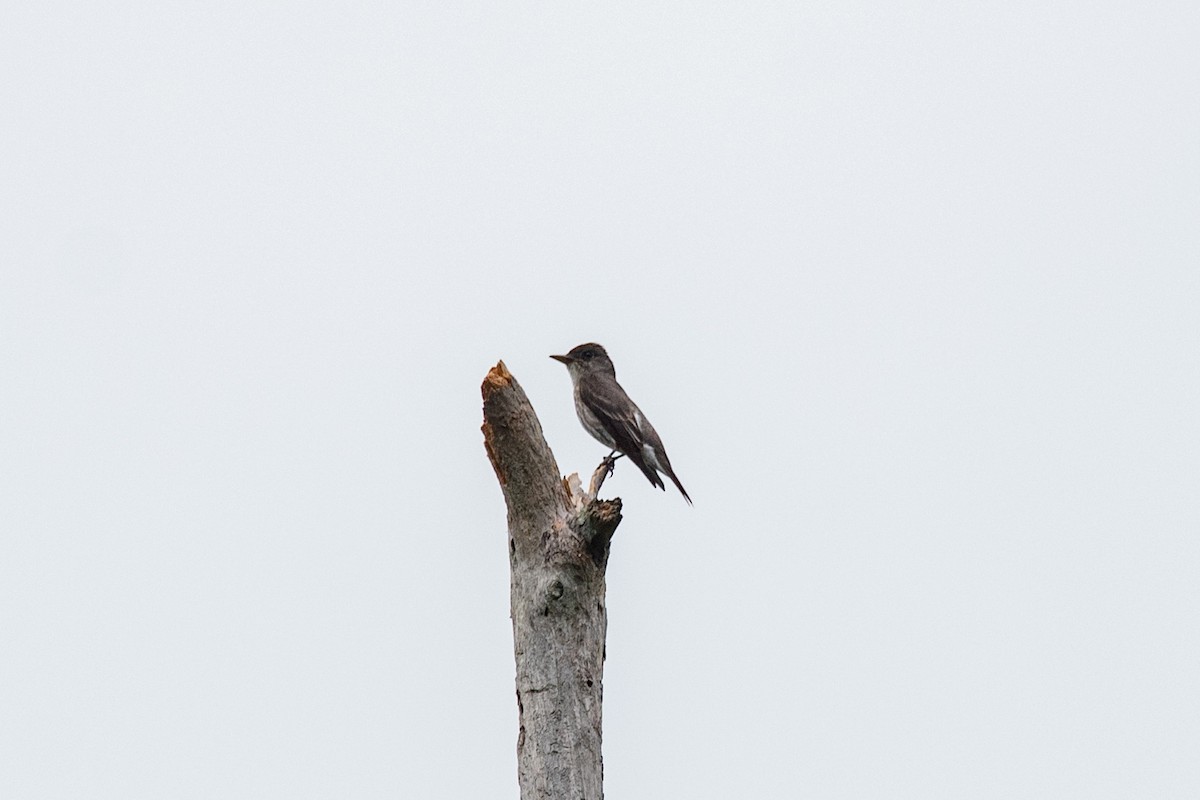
column 587, row 358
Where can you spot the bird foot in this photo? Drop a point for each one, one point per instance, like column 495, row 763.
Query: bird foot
column 603, row 471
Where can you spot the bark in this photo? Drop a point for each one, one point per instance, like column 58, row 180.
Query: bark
column 558, row 542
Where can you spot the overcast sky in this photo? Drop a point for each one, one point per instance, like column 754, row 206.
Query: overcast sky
column 911, row 293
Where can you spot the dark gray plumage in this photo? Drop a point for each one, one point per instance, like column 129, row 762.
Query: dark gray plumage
column 612, row 418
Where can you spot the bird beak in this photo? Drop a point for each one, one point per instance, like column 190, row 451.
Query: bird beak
column 563, row 359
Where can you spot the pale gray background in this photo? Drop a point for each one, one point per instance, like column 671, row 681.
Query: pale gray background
column 910, row 292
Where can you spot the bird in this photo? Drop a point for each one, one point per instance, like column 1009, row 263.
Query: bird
column 613, row 419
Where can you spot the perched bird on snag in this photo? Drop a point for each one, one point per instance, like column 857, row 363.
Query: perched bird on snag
column 612, row 418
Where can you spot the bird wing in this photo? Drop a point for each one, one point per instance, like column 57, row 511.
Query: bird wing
column 622, row 419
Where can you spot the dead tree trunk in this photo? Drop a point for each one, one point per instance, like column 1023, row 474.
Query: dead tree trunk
column 558, row 538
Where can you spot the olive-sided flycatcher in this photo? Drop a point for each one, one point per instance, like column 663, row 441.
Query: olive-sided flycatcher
column 612, row 418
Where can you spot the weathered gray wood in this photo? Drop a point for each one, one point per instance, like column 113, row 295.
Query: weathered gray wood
column 558, row 541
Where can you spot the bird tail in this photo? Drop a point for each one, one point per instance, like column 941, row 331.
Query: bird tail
column 652, row 473
column 679, row 486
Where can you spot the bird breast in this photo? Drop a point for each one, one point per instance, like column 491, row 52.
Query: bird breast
column 592, row 424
